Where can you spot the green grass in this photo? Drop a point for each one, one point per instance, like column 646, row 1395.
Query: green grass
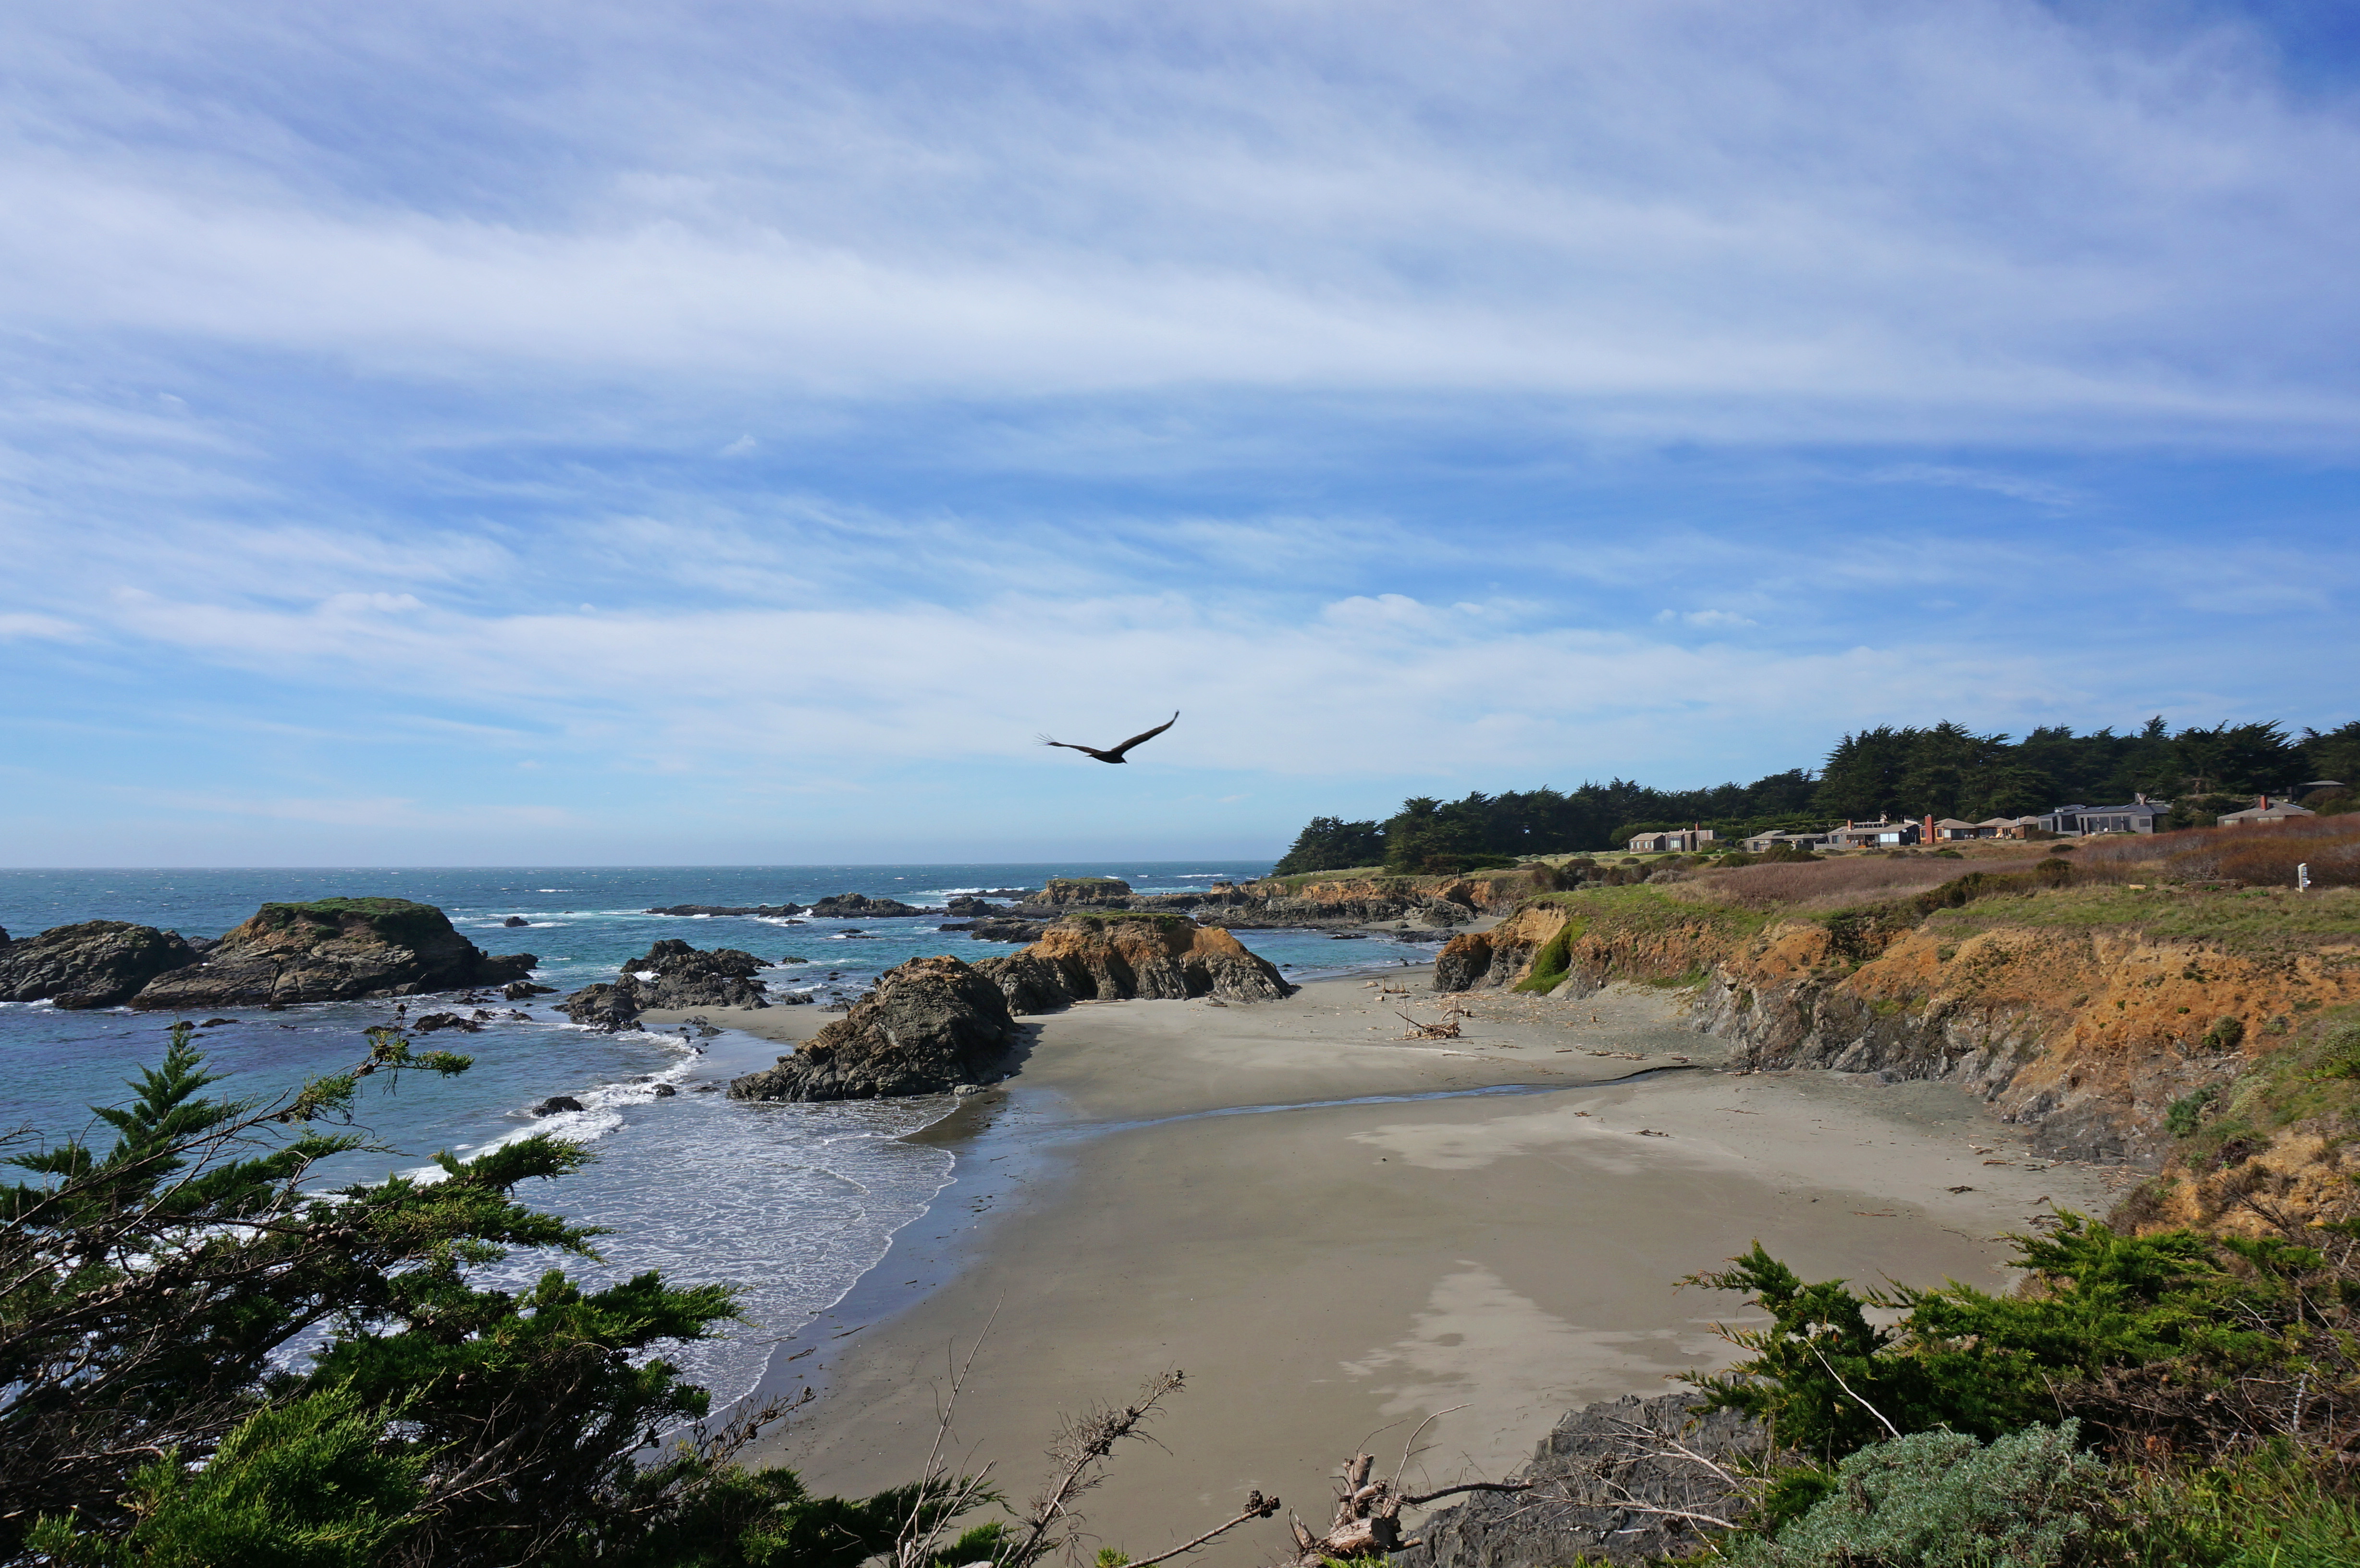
column 1109, row 916
column 2315, row 1079
column 1555, row 959
column 2253, row 921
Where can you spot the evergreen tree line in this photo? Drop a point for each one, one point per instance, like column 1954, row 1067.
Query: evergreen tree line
column 1944, row 771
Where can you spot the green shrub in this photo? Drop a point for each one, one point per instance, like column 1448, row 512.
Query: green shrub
column 2187, row 1114
column 2339, row 1057
column 1554, row 961
column 1940, row 1500
column 2227, row 1033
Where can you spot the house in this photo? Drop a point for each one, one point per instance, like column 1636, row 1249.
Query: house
column 1878, row 834
column 1768, row 841
column 2263, row 813
column 1953, row 828
column 2141, row 816
column 2005, row 827
column 1681, row 840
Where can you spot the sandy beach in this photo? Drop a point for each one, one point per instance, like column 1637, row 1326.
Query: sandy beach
column 1336, row 1232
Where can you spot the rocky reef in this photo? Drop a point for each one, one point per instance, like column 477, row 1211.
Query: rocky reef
column 332, row 950
column 670, row 974
column 930, row 1025
column 1587, row 1471
column 1114, row 957
column 860, row 907
column 94, row 964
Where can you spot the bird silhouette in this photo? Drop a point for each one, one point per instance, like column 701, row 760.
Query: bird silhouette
column 1115, row 753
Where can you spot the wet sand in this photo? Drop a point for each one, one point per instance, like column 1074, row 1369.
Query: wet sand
column 1502, row 1247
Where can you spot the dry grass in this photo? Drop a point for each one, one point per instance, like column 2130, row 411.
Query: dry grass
column 1838, row 883
column 2257, row 856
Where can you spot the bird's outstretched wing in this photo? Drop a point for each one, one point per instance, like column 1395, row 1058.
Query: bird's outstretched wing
column 1144, row 734
column 1069, row 745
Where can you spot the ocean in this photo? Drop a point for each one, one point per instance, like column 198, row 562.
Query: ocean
column 791, row 1203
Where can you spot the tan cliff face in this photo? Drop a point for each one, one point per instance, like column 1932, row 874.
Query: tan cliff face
column 2088, row 1037
column 1113, row 958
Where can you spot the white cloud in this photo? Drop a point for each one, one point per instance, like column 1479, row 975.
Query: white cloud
column 1711, row 620
column 24, row 626
column 1801, row 218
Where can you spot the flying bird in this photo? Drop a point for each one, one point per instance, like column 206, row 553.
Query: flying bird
column 1115, row 753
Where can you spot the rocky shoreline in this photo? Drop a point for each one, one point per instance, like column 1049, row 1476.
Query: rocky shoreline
column 329, row 949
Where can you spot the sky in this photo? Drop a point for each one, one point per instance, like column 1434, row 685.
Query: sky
column 577, row 432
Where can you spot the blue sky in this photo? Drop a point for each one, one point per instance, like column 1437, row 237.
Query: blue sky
column 514, row 434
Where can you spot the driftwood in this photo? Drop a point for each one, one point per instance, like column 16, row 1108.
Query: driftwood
column 1368, row 1515
column 1446, row 1030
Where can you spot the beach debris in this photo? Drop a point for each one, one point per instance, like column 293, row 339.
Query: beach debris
column 1962, row 1189
column 1446, row 1030
column 1367, row 1513
column 1651, row 1132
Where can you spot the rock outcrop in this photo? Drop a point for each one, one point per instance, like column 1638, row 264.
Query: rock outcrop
column 1081, row 893
column 860, row 907
column 1588, row 1469
column 931, row 1025
column 968, row 905
column 96, row 963
column 670, row 974
column 1112, row 957
column 332, row 950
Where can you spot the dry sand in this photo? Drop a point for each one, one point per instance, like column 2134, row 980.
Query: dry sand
column 1325, row 1270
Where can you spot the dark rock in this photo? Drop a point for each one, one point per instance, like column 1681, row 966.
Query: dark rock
column 968, row 904
column 1585, row 1467
column 1464, row 962
column 215, row 1023
column 769, row 911
column 98, row 963
column 200, row 945
column 685, row 977
column 930, row 1025
column 432, row 1022
column 795, row 1000
column 675, row 976
column 1007, row 931
column 516, row 920
column 792, row 958
column 1080, row 892
column 665, row 1091
column 603, row 1006
column 4, row 936
column 524, row 990
column 1029, row 983
column 555, row 1103
column 333, row 950
column 860, row 907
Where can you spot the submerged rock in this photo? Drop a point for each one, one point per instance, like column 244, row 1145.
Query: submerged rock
column 1111, row 957
column 1597, row 1460
column 524, row 990
column 515, row 921
column 555, row 1103
column 333, row 950
column 931, row 1025
column 96, row 963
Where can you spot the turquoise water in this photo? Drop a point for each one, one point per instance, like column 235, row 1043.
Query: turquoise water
column 794, row 1203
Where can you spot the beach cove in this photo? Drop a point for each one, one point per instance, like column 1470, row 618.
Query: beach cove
column 1337, row 1232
